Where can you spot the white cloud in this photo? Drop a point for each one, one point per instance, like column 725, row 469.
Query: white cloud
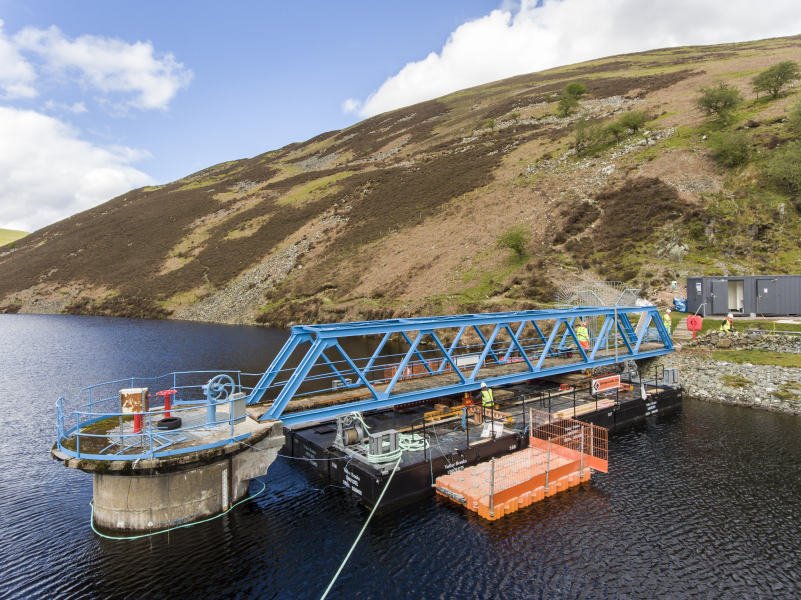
column 77, row 108
column 561, row 32
column 111, row 66
column 48, row 173
column 16, row 73
column 352, row 105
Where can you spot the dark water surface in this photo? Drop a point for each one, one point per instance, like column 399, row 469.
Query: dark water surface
column 702, row 503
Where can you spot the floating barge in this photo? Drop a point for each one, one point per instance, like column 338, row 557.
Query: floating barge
column 391, row 422
column 459, row 437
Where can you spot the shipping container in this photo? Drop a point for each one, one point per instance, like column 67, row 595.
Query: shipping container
column 750, row 295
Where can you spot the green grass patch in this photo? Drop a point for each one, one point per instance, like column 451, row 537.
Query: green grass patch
column 741, row 326
column 307, row 191
column 93, row 445
column 736, row 381
column 759, row 357
column 10, row 235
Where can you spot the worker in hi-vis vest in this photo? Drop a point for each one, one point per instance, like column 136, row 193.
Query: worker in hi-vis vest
column 667, row 321
column 583, row 335
column 486, row 396
column 728, row 323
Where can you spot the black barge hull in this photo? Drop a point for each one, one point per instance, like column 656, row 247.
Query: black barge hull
column 415, row 481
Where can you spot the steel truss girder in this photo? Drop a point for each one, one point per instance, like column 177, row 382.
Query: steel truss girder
column 493, row 352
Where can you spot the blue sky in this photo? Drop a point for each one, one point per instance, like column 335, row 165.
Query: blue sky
column 264, row 74
column 100, row 97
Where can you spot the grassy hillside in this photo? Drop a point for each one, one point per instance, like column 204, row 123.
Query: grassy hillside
column 399, row 215
column 8, row 236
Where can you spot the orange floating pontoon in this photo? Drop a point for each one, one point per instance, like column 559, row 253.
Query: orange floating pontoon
column 560, row 455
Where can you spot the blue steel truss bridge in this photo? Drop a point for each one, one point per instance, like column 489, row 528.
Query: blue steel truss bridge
column 315, row 378
column 327, row 370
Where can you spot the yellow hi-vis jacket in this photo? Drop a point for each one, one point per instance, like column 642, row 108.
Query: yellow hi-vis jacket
column 486, row 398
column 726, row 325
column 582, row 333
column 666, row 320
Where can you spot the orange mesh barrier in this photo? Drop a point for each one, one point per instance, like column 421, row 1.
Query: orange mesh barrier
column 571, row 438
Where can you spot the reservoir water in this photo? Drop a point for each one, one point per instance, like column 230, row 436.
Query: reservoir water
column 705, row 503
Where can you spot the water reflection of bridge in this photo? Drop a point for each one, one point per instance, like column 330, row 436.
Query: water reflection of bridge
column 496, row 348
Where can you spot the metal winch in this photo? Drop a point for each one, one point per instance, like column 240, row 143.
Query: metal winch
column 350, row 431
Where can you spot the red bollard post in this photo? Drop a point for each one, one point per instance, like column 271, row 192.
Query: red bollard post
column 137, row 424
column 166, row 395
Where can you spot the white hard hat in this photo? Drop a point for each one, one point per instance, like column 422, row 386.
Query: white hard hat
column 731, row 316
column 667, row 311
column 483, row 385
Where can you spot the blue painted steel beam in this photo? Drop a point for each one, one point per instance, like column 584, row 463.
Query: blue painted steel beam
column 329, row 412
column 324, row 337
column 270, row 374
column 340, row 330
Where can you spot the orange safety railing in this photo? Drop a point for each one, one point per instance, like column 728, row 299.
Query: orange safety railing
column 570, row 438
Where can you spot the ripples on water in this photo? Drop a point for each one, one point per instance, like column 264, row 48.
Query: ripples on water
column 702, row 503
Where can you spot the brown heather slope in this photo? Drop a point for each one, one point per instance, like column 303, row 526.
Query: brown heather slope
column 399, row 214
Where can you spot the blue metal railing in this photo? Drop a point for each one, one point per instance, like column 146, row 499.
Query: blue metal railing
column 94, row 405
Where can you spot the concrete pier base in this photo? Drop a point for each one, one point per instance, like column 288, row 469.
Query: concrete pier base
column 152, row 495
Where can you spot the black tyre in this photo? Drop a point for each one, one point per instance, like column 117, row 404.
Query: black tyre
column 169, row 423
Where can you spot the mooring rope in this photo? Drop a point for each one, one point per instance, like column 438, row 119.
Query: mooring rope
column 144, row 535
column 367, row 522
column 406, row 443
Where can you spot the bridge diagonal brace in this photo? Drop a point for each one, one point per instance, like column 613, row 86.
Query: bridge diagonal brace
column 293, row 383
column 484, row 340
column 625, row 337
column 628, row 327
column 402, row 366
column 664, row 336
column 337, row 372
column 602, row 335
column 514, row 337
column 277, row 365
column 549, row 343
column 575, row 339
column 453, row 346
column 487, row 350
column 447, row 356
column 643, row 330
column 567, row 332
column 376, row 354
column 516, row 343
column 417, row 353
column 362, row 376
column 542, row 336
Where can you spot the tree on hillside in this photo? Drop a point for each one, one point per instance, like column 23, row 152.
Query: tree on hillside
column 581, row 137
column 772, row 80
column 616, row 130
column 576, row 89
column 633, row 120
column 586, row 135
column 567, row 103
column 785, row 167
column 515, row 238
column 730, row 149
column 718, row 99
